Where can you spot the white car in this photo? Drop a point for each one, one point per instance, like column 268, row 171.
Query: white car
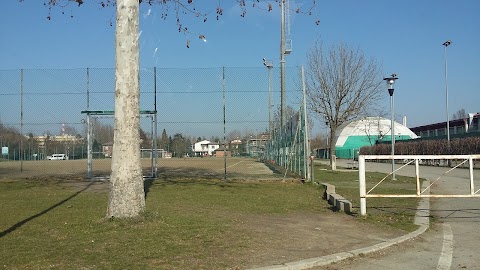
column 57, row 157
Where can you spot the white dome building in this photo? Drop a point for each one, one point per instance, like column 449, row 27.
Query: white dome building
column 351, row 136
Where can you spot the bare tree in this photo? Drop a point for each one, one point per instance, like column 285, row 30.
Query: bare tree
column 374, row 128
column 342, row 85
column 103, row 133
column 318, row 141
column 277, row 115
column 460, row 114
column 234, row 134
column 67, row 129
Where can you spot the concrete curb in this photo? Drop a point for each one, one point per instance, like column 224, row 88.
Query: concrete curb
column 421, row 218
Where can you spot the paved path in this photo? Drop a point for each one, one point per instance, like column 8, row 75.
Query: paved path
column 453, row 242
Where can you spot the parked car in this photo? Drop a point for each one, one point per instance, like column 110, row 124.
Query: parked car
column 57, row 157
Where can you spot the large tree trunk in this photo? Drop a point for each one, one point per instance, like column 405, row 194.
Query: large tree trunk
column 127, row 196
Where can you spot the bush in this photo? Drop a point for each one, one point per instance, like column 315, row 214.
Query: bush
column 458, row 146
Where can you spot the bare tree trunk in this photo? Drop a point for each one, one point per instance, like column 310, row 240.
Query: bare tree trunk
column 127, row 196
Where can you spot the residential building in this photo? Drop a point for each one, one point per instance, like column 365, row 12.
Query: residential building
column 204, row 148
column 256, row 145
column 235, row 147
column 57, row 138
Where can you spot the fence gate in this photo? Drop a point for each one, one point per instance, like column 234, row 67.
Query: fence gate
column 406, row 160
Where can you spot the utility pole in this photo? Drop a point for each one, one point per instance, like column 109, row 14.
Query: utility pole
column 282, row 65
column 269, row 65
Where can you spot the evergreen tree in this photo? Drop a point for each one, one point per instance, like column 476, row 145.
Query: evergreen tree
column 164, row 142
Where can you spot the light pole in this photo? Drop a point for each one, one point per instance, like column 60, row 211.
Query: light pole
column 390, row 81
column 446, row 44
column 269, row 66
column 283, row 116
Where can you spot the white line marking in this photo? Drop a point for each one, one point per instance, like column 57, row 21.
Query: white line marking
column 230, row 166
column 445, row 260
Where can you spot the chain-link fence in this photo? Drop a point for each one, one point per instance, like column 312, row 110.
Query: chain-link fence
column 288, row 145
column 201, row 112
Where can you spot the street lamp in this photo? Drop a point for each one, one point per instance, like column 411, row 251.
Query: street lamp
column 390, row 81
column 269, row 65
column 446, row 44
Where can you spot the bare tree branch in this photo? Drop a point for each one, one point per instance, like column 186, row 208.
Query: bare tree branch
column 460, row 114
column 183, row 8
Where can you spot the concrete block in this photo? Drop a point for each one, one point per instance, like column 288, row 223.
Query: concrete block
column 344, row 205
column 329, row 188
column 336, row 200
column 331, row 199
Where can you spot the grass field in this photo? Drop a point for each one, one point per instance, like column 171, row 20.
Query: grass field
column 51, row 219
column 207, row 225
column 246, row 168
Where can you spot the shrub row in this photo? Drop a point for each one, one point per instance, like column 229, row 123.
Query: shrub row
column 458, row 146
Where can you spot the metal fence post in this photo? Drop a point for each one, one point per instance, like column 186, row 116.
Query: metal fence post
column 470, row 165
column 417, row 175
column 21, row 121
column 89, row 147
column 363, row 187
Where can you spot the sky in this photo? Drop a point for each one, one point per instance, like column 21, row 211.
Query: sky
column 405, row 37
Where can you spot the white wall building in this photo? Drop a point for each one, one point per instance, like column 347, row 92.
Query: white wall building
column 204, row 148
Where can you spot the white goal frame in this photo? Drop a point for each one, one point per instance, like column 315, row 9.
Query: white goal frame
column 144, row 113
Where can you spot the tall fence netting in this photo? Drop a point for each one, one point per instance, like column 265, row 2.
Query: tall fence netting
column 235, row 110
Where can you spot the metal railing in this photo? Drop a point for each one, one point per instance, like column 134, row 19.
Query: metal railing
column 415, row 159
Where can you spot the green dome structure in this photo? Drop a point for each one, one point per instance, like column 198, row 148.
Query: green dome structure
column 351, row 136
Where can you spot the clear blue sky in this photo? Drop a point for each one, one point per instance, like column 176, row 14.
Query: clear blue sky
column 404, row 36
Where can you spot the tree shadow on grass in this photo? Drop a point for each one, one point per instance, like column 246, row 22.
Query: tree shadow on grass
column 185, row 176
column 146, row 185
column 21, row 223
column 201, row 176
column 453, row 214
column 394, row 210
